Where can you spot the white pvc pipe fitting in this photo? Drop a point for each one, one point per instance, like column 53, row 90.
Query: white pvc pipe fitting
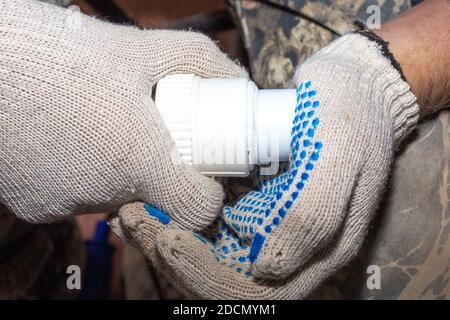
column 224, row 126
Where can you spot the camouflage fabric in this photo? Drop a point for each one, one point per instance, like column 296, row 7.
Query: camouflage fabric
column 409, row 240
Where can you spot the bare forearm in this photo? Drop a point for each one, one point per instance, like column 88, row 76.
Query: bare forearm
column 420, row 41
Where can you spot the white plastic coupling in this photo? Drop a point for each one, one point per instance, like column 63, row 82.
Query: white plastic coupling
column 224, row 126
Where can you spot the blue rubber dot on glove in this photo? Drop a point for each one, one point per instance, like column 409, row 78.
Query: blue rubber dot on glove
column 158, row 214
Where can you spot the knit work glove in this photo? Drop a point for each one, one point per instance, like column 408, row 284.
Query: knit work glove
column 79, row 130
column 283, row 240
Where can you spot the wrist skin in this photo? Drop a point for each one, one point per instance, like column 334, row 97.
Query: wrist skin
column 419, row 39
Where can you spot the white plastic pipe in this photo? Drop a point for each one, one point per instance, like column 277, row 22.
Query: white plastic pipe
column 224, row 126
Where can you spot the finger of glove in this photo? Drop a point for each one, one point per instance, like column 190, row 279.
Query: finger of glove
column 309, row 201
column 161, row 179
column 193, row 265
column 139, row 224
column 191, row 52
column 363, row 205
column 295, row 214
column 189, row 262
column 217, row 266
column 191, row 199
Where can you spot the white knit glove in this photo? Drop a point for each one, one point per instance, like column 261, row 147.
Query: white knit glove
column 79, row 131
column 284, row 239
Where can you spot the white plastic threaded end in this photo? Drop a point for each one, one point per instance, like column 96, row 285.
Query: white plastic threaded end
column 177, row 94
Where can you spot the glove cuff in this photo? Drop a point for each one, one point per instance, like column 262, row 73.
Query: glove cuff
column 404, row 111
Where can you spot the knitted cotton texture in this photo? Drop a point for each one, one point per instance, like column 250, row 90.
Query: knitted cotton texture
column 79, row 131
column 282, row 240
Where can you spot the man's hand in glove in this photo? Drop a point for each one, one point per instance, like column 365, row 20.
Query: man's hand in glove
column 79, row 131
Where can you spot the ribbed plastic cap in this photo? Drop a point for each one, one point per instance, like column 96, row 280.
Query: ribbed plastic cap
column 210, row 121
column 175, row 96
